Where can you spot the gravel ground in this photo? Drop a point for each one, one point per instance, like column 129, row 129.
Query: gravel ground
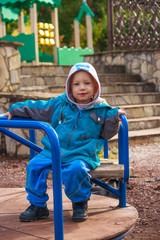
column 143, row 189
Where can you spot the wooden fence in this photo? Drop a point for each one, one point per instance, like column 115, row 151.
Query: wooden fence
column 133, row 24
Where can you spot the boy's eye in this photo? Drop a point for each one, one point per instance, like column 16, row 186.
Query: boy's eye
column 76, row 84
column 87, row 83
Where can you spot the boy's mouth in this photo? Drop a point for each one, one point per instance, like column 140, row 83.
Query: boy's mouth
column 82, row 94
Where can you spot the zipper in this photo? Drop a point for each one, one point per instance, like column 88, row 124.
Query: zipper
column 75, row 126
column 70, row 136
column 68, row 141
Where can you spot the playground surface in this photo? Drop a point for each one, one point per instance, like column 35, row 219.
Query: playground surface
column 105, row 219
column 143, row 192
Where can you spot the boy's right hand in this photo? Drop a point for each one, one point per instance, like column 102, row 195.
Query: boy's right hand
column 7, row 114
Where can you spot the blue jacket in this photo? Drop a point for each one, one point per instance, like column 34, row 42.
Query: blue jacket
column 81, row 133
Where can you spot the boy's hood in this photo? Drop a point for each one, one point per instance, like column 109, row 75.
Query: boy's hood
column 91, row 70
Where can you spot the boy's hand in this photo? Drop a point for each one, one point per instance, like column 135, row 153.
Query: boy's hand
column 121, row 111
column 7, row 114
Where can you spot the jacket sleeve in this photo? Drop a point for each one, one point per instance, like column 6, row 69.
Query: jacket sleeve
column 111, row 124
column 38, row 110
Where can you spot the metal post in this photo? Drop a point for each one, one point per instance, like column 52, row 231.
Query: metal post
column 123, row 151
column 122, row 190
column 106, row 149
column 123, row 147
column 110, row 24
column 56, row 164
column 32, row 138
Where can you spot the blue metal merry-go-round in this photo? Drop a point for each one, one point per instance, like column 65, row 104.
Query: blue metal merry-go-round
column 120, row 193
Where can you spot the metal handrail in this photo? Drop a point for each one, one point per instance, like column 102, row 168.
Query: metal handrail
column 56, row 164
column 123, row 147
column 123, row 150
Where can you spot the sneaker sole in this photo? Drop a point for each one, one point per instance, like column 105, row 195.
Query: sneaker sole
column 79, row 219
column 32, row 220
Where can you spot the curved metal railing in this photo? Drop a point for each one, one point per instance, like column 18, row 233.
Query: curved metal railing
column 56, row 162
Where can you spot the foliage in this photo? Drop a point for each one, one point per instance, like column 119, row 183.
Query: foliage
column 44, row 14
column 100, row 38
column 10, row 27
column 69, row 10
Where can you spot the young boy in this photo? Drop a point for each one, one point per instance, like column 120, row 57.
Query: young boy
column 82, row 121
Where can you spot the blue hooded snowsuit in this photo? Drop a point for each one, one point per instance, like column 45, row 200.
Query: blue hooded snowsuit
column 81, row 131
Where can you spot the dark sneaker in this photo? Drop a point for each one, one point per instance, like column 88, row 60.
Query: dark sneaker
column 34, row 213
column 80, row 211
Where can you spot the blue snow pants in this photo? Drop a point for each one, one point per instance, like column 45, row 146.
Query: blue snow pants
column 75, row 177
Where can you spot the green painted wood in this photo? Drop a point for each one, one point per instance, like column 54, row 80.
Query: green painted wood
column 21, row 4
column 84, row 9
column 27, row 52
column 70, row 56
column 9, row 14
column 45, row 57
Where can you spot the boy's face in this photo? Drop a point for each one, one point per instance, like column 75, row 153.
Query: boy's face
column 82, row 87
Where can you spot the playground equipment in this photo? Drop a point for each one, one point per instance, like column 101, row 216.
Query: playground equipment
column 32, row 40
column 89, row 15
column 57, row 183
column 122, row 172
column 32, row 5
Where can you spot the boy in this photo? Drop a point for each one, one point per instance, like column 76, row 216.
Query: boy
column 82, row 121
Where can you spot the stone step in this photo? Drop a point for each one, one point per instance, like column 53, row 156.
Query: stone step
column 128, row 87
column 138, row 137
column 122, row 77
column 110, row 88
column 44, row 69
column 51, row 69
column 143, row 123
column 46, row 88
column 142, row 110
column 140, row 116
column 110, row 69
column 136, row 106
column 30, row 80
column 132, row 98
column 144, row 136
column 112, row 99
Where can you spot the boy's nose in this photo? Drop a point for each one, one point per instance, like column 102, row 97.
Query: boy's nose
column 82, row 86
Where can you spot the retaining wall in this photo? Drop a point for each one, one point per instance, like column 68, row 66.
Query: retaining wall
column 145, row 63
column 9, row 66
